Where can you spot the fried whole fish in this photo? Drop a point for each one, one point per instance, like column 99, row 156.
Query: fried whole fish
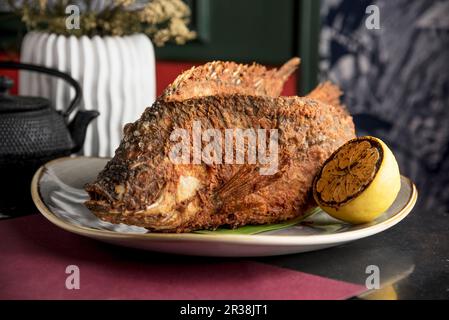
column 143, row 186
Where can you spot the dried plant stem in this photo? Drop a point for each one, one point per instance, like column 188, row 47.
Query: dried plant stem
column 161, row 20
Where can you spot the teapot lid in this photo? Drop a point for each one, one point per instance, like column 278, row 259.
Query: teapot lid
column 10, row 104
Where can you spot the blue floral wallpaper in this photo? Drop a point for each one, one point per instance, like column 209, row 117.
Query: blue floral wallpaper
column 396, row 81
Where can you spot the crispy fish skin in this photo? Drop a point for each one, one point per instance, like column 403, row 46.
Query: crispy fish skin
column 223, row 77
column 142, row 186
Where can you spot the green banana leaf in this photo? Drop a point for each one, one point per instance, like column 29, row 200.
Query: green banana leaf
column 254, row 229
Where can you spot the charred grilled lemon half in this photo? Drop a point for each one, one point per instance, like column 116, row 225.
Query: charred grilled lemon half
column 359, row 181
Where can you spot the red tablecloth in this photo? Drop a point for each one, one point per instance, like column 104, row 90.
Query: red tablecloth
column 35, row 254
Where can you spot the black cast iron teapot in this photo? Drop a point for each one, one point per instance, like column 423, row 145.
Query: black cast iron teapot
column 32, row 132
column 31, row 128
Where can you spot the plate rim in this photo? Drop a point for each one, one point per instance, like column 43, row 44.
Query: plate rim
column 256, row 239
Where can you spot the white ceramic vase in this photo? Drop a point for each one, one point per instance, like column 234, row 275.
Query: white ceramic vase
column 117, row 75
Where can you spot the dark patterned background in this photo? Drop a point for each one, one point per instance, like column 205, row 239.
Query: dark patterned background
column 397, row 78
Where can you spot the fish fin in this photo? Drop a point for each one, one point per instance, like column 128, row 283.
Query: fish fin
column 250, row 207
column 247, row 180
column 328, row 93
column 288, row 68
column 225, row 77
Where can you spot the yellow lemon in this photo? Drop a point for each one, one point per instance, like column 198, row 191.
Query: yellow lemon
column 359, row 181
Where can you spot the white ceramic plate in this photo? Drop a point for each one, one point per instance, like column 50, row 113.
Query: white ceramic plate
column 57, row 191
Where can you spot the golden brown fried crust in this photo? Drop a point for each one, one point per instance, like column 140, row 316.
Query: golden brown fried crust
column 220, row 77
column 230, row 194
column 328, row 93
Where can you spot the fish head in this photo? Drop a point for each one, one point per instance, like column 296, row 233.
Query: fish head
column 150, row 191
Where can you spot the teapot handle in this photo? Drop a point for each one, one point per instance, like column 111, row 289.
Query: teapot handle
column 53, row 72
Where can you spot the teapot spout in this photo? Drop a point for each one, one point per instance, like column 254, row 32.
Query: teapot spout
column 78, row 127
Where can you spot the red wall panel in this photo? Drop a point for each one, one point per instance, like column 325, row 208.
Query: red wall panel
column 12, row 74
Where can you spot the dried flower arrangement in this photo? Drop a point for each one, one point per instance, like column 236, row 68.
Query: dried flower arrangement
column 161, row 20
